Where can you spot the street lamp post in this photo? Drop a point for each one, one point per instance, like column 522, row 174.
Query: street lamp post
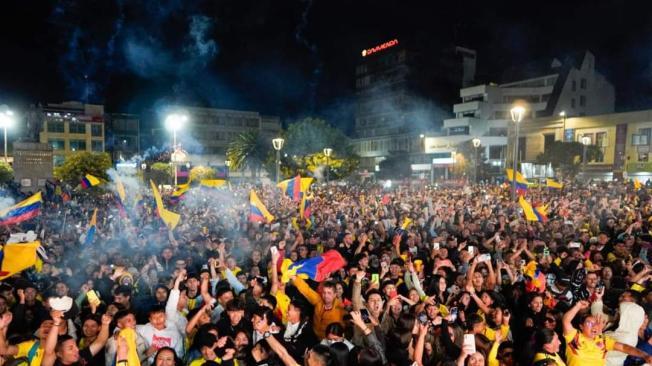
column 6, row 120
column 562, row 114
column 476, row 144
column 174, row 122
column 278, row 145
column 586, row 141
column 328, row 151
column 227, row 163
column 517, row 116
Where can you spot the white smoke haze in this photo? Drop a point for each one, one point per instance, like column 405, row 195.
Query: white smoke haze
column 6, row 202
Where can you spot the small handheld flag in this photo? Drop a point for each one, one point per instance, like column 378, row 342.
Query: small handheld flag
column 532, row 214
column 521, row 182
column 170, row 218
column 305, row 209
column 16, row 257
column 257, row 211
column 551, row 183
column 90, row 233
column 22, row 211
column 90, row 181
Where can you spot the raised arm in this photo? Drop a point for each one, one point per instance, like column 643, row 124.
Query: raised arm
column 99, row 342
column 311, row 295
column 356, row 296
column 567, row 320
column 632, row 351
column 273, row 267
column 6, row 349
column 49, row 356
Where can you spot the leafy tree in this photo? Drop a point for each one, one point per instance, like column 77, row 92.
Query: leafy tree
column 201, row 172
column 6, row 173
column 567, row 156
column 305, row 141
column 315, row 165
column 79, row 164
column 161, row 172
column 312, row 135
column 249, row 150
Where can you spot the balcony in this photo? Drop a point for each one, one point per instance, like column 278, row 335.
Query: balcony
column 458, row 122
column 467, row 107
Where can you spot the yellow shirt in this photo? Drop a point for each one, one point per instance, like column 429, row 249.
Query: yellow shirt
column 545, row 356
column 491, row 333
column 200, row 361
column 582, row 351
column 25, row 347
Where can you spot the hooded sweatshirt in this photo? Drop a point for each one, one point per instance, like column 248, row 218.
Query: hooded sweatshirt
column 631, row 319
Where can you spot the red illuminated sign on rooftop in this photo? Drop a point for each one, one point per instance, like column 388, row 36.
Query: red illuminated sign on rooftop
column 380, row 47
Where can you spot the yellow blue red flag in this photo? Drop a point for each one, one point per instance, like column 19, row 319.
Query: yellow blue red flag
column 16, row 257
column 551, row 183
column 170, row 218
column 90, row 181
column 22, row 211
column 90, row 232
column 257, row 211
column 521, row 182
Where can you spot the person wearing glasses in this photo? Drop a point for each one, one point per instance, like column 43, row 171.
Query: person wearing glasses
column 589, row 345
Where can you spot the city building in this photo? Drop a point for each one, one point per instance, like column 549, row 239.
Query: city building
column 572, row 87
column 122, row 136
column 32, row 165
column 623, row 138
column 403, row 90
column 401, row 86
column 208, row 131
column 71, row 127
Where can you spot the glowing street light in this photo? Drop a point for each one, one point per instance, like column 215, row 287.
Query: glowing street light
column 517, row 113
column 476, row 144
column 562, row 114
column 174, row 122
column 6, row 120
column 328, row 151
column 278, row 145
column 586, row 141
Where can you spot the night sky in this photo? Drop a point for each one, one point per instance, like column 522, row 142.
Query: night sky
column 290, row 58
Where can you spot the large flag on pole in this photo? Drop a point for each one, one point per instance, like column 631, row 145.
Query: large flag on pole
column 257, row 211
column 22, row 211
column 170, row 218
column 305, row 209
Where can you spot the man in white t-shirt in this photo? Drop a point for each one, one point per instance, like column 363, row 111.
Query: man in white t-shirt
column 159, row 333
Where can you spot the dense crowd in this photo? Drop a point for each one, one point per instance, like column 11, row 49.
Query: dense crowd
column 433, row 276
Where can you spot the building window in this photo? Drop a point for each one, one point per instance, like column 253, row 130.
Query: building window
column 573, row 86
column 642, row 157
column 78, row 145
column 58, row 160
column 96, row 146
column 461, row 130
column 77, row 128
column 496, row 152
column 572, row 102
column 583, row 83
column 57, row 144
column 548, row 139
column 582, row 101
column 57, row 127
column 96, row 130
column 26, row 182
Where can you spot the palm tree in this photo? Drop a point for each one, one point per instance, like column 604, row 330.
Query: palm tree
column 248, row 150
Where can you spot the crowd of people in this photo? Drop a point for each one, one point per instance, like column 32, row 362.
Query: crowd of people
column 433, row 276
